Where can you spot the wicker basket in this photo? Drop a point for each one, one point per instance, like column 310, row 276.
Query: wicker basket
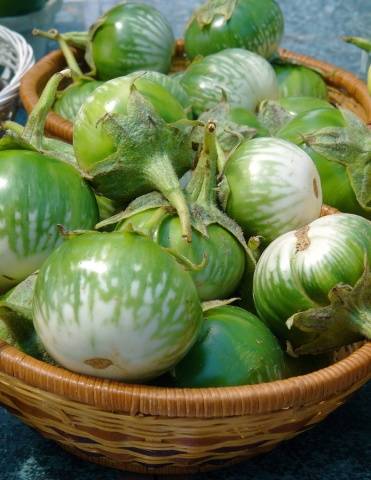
column 164, row 430
column 344, row 88
column 16, row 56
column 161, row 430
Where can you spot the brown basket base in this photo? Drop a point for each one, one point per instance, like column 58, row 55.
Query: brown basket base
column 160, row 444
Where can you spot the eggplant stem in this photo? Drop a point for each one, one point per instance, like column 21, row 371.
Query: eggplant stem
column 360, row 42
column 13, row 127
column 71, row 61
column 186, row 262
column 162, row 175
column 34, row 130
column 201, row 188
column 177, row 200
column 75, row 39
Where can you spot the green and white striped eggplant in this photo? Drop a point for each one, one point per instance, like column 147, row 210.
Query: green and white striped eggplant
column 39, row 189
column 69, row 102
column 170, row 84
column 234, row 348
column 130, row 36
column 340, row 146
column 256, row 25
column 299, row 81
column 269, row 187
column 312, row 286
column 128, row 143
column 36, row 194
column 116, row 305
column 275, row 114
column 241, row 77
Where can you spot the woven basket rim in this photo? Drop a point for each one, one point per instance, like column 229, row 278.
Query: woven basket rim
column 186, row 402
column 54, row 61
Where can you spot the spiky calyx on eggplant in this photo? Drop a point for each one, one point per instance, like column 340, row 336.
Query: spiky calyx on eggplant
column 140, row 151
column 215, row 237
column 16, row 321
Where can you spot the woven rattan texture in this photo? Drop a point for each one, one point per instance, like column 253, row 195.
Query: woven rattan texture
column 156, row 444
column 345, row 89
column 152, row 429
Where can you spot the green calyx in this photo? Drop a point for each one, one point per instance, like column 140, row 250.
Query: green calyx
column 347, row 318
column 31, row 137
column 211, row 304
column 148, row 153
column 351, row 147
column 273, row 116
column 211, row 9
column 202, row 190
column 229, row 133
column 16, row 326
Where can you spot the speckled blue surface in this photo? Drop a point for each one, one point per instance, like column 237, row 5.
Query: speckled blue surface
column 337, row 449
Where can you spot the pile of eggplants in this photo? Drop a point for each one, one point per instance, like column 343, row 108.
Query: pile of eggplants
column 121, row 255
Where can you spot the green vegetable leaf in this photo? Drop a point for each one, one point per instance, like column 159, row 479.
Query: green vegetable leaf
column 349, row 146
column 140, row 204
column 207, row 12
column 345, row 320
column 228, row 133
column 352, row 120
column 16, row 325
column 273, row 116
column 360, row 178
column 31, row 137
column 211, row 304
column 19, row 298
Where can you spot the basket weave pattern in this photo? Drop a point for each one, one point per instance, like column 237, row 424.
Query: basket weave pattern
column 161, row 430
column 158, row 443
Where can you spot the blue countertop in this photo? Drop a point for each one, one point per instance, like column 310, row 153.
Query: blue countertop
column 337, row 449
